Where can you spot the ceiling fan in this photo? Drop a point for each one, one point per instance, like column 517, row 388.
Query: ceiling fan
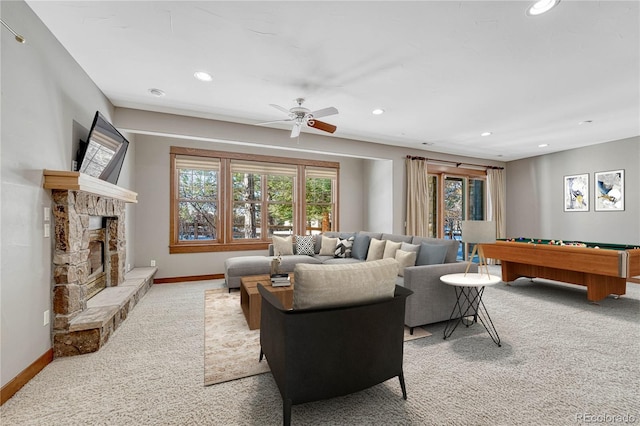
column 300, row 116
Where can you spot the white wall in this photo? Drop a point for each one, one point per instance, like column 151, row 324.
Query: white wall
column 535, row 195
column 47, row 101
column 378, row 187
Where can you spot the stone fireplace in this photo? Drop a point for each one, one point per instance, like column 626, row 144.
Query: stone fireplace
column 86, row 259
column 92, row 291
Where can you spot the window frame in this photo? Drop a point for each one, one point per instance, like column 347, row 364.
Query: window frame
column 225, row 241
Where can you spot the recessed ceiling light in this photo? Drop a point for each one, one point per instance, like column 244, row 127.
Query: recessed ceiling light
column 486, row 134
column 541, row 6
column 157, row 92
column 586, row 122
column 377, row 111
column 202, row 76
column 543, row 145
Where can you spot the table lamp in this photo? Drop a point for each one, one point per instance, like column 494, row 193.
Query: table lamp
column 477, row 232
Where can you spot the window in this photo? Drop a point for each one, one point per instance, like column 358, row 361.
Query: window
column 320, row 196
column 223, row 201
column 263, row 196
column 197, row 202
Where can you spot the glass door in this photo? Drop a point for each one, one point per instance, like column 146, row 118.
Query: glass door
column 464, row 199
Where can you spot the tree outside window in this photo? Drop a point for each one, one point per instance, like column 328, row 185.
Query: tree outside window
column 319, row 200
column 197, row 201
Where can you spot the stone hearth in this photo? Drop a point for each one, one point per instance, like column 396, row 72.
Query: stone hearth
column 82, row 323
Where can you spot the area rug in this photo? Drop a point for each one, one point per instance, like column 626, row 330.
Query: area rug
column 231, row 350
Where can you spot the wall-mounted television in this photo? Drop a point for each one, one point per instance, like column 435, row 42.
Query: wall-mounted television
column 103, row 153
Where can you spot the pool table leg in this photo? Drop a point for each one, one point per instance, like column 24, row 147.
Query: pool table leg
column 601, row 286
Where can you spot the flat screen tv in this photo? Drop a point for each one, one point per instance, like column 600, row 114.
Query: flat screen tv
column 103, row 153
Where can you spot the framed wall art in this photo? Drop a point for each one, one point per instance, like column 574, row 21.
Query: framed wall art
column 609, row 190
column 576, row 193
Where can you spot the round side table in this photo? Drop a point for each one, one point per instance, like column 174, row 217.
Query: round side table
column 469, row 290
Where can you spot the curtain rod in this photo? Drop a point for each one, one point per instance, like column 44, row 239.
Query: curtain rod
column 411, row 157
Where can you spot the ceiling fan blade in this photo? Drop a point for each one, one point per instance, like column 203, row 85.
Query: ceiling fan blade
column 324, row 112
column 321, row 125
column 295, row 132
column 285, row 120
column 279, row 108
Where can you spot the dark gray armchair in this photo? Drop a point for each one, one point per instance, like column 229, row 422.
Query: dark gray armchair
column 323, row 353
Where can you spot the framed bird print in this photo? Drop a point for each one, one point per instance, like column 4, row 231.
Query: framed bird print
column 609, row 190
column 576, row 193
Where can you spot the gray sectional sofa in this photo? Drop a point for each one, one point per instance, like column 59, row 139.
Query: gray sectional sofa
column 431, row 301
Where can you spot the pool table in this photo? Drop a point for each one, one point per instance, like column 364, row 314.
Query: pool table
column 603, row 268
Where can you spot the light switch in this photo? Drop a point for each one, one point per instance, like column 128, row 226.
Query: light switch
column 47, row 214
column 47, row 230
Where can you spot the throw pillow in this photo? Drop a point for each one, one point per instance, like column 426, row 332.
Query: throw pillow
column 431, row 254
column 343, row 248
column 304, row 245
column 410, row 247
column 282, row 246
column 323, row 286
column 390, row 249
column 328, row 247
column 376, row 249
column 405, row 258
column 360, row 247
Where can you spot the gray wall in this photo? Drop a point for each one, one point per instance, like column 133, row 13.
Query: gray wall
column 535, row 195
column 152, row 213
column 48, row 102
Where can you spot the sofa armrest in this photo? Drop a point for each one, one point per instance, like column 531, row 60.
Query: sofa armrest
column 418, row 275
column 432, row 300
column 270, row 298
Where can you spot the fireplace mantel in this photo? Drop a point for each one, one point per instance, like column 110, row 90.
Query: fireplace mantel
column 76, row 181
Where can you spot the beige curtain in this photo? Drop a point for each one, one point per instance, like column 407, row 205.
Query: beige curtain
column 497, row 210
column 417, row 197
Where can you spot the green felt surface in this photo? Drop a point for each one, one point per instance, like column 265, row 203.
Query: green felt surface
column 607, row 246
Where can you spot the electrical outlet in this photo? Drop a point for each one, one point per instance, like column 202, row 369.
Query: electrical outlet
column 46, row 318
column 47, row 214
column 153, row 263
column 128, row 267
column 47, row 230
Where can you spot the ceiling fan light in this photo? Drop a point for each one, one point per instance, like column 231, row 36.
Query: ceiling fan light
column 203, row 76
column 541, row 6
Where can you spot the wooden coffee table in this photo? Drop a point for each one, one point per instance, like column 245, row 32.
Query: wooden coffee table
column 250, row 299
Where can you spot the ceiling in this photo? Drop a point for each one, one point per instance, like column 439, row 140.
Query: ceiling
column 443, row 71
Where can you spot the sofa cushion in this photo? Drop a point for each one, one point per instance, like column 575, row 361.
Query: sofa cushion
column 323, row 286
column 360, row 246
column 452, row 246
column 341, row 261
column 304, row 245
column 376, row 249
column 431, row 254
column 376, row 235
column 390, row 248
column 282, row 246
column 328, row 246
column 344, row 246
column 405, row 259
column 397, row 237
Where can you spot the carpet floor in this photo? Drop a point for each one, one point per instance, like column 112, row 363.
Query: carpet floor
column 231, row 350
column 563, row 361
